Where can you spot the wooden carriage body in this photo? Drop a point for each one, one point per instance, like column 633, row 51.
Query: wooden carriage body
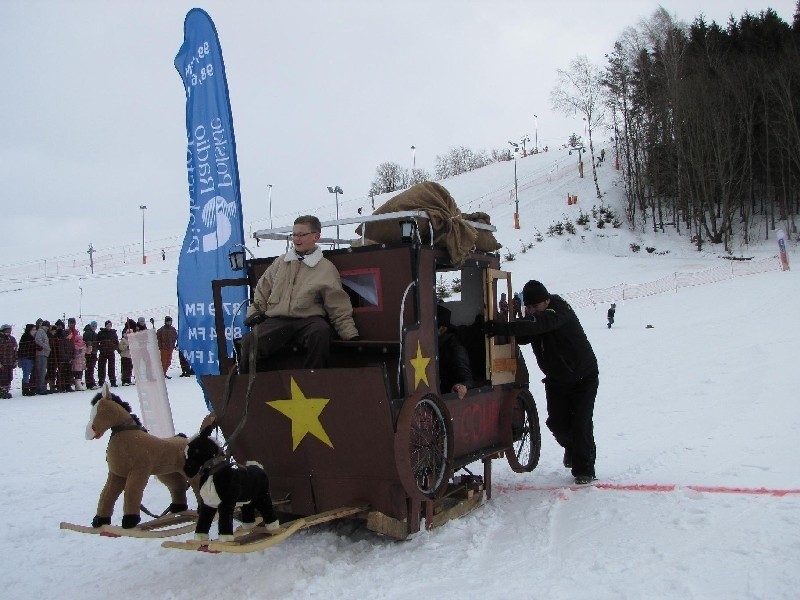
column 375, row 430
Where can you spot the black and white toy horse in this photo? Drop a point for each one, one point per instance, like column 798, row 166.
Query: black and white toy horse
column 224, row 486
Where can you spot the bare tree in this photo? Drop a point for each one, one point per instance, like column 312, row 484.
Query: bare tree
column 418, row 176
column 460, row 160
column 579, row 91
column 389, row 177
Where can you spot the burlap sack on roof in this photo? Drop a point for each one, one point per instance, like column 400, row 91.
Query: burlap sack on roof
column 486, row 241
column 450, row 229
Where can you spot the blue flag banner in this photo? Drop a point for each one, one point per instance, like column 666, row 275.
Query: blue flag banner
column 215, row 207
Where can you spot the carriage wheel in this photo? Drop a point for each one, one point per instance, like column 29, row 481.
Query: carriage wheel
column 526, row 445
column 424, row 447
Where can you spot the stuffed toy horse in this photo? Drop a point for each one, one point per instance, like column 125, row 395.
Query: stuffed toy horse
column 134, row 455
column 223, row 485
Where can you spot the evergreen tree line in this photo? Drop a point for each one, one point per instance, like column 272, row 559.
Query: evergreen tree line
column 706, row 122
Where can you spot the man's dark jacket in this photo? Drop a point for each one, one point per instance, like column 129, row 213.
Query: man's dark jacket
column 107, row 341
column 454, row 364
column 558, row 341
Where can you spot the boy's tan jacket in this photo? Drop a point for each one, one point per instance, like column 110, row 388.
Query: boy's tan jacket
column 311, row 287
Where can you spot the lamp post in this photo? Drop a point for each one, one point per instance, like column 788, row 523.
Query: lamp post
column 516, row 187
column 143, row 208
column 536, row 134
column 270, row 205
column 413, row 157
column 336, row 190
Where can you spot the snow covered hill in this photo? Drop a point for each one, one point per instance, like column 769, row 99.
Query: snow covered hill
column 696, row 420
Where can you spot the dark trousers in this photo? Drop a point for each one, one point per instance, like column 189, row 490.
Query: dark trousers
column 106, row 360
column 570, row 410
column 313, row 334
column 91, row 363
column 127, row 368
column 186, row 368
column 6, row 375
column 64, row 379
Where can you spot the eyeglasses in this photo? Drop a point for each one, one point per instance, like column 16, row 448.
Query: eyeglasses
column 302, row 235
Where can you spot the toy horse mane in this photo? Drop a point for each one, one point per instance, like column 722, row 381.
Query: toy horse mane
column 119, row 401
column 204, row 455
column 110, row 412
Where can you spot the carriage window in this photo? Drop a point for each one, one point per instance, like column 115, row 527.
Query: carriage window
column 364, row 288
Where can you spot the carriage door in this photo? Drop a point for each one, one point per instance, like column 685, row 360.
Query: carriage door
column 501, row 351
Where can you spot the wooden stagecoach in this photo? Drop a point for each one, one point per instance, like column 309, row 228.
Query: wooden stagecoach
column 374, row 434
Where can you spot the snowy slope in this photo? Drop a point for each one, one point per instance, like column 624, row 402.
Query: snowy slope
column 696, row 421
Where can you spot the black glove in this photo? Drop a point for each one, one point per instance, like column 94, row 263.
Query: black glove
column 355, row 338
column 254, row 320
column 492, row 328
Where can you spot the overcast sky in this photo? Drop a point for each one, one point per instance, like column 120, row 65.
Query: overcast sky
column 322, row 92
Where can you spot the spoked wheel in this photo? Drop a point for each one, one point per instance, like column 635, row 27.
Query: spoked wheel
column 526, row 439
column 424, row 447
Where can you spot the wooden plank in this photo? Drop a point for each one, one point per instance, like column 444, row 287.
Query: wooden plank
column 135, row 532
column 260, row 539
column 458, row 510
column 79, row 528
column 193, row 544
column 505, row 365
column 159, row 527
column 386, row 525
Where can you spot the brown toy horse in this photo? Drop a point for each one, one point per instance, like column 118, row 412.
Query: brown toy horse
column 134, row 455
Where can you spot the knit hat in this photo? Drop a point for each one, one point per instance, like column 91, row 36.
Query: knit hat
column 534, row 292
column 93, row 324
column 6, row 326
column 59, row 323
column 108, row 323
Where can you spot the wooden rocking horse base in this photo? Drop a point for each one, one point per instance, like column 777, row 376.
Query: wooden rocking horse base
column 254, row 540
column 160, row 527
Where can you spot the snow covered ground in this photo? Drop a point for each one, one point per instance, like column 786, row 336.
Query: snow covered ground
column 696, row 421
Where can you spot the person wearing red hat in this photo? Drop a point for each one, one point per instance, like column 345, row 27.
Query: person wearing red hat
column 571, row 375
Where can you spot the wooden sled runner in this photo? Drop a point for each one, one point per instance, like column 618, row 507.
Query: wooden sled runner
column 255, row 540
column 166, row 526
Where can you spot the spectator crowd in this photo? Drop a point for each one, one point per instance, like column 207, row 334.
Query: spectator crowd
column 61, row 358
